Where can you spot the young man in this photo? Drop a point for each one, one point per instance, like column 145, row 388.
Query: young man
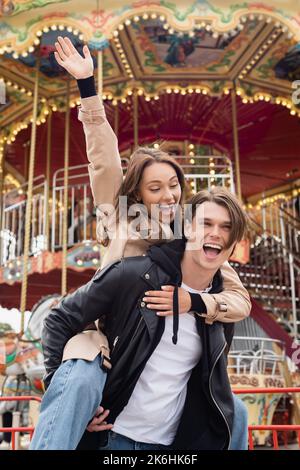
column 168, row 386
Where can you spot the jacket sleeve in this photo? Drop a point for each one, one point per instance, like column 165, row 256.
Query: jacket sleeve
column 105, row 168
column 231, row 305
column 74, row 312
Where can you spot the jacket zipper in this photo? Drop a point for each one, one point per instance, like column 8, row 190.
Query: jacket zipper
column 115, row 342
column 210, row 390
column 117, row 337
column 135, row 331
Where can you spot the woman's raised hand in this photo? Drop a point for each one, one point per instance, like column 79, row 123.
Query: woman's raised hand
column 70, row 59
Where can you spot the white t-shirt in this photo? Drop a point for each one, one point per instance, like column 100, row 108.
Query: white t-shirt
column 154, row 409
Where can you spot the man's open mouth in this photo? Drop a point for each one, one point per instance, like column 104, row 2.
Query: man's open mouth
column 212, row 250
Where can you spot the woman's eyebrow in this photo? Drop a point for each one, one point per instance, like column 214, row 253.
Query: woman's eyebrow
column 159, row 181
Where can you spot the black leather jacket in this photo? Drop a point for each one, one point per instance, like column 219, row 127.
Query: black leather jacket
column 115, row 296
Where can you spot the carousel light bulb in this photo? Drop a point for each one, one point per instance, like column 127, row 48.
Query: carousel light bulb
column 153, row 16
column 115, row 33
column 183, row 92
column 192, row 161
column 54, row 27
column 198, row 90
column 25, row 54
column 110, row 96
column 162, row 18
column 36, row 41
column 114, row 102
column 136, row 18
column 46, row 29
column 176, row 90
column 145, row 16
column 190, row 90
column 61, row 27
column 81, row 37
column 69, row 29
column 123, row 100
column 121, row 27
column 156, row 146
column 76, row 32
column 156, row 97
column 127, row 22
column 140, row 92
column 169, row 90
column 147, row 98
column 15, row 55
column 204, row 92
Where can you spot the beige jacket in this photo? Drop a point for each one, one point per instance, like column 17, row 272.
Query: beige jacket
column 105, row 171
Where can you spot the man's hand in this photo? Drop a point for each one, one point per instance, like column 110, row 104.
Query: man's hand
column 162, row 300
column 70, row 59
column 98, row 423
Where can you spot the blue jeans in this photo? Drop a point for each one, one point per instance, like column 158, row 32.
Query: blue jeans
column 72, row 398
column 120, row 442
column 68, row 405
column 239, row 435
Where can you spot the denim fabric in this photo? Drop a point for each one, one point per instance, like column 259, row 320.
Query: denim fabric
column 239, row 437
column 69, row 404
column 119, row 442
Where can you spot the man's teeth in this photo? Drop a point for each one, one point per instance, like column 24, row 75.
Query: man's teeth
column 212, row 245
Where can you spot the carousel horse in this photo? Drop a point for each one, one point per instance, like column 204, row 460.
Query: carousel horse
column 23, row 364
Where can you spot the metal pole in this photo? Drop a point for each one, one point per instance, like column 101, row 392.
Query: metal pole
column 293, row 294
column 2, row 157
column 48, row 164
column 65, row 204
column 116, row 123
column 29, row 197
column 135, row 120
column 100, row 74
column 236, row 142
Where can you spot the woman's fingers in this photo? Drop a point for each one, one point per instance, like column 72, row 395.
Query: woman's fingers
column 58, row 59
column 86, row 52
column 159, row 307
column 60, row 52
column 64, row 46
column 70, row 45
column 165, row 314
column 157, row 300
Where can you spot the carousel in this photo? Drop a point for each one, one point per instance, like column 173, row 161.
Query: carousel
column 216, row 84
